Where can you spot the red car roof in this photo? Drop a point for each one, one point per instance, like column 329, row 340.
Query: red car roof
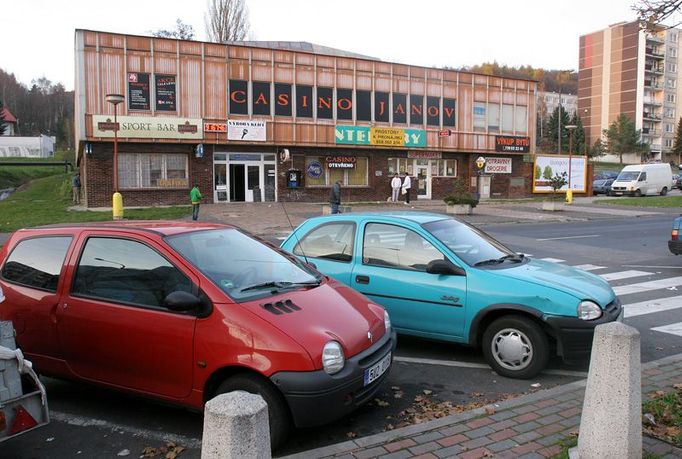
column 164, row 227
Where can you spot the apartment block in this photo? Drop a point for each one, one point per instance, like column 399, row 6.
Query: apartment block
column 625, row 69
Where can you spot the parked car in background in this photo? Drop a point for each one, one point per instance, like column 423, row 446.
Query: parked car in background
column 183, row 311
column 605, row 175
column 601, row 186
column 643, row 179
column 677, row 181
column 675, row 243
column 443, row 279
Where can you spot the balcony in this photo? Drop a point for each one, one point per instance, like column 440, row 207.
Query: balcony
column 654, row 53
column 657, row 69
column 655, row 39
column 652, row 101
column 651, row 132
column 653, row 84
column 649, row 116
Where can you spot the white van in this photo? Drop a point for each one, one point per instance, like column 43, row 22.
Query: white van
column 643, row 179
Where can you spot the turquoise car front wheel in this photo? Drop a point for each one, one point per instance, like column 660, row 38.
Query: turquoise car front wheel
column 516, row 347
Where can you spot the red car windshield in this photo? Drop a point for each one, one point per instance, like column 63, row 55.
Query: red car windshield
column 241, row 266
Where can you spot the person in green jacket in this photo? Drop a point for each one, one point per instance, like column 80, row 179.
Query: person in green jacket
column 195, row 197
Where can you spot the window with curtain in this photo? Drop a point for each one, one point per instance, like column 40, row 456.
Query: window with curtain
column 357, row 176
column 479, row 116
column 507, row 118
column 153, row 170
column 493, row 118
column 520, row 119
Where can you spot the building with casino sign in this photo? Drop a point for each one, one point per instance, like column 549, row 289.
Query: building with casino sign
column 255, row 121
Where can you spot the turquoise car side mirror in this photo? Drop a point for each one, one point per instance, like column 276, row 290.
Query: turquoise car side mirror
column 445, row 268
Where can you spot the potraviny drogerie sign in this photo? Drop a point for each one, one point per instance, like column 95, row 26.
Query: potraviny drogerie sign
column 547, row 166
column 498, row 166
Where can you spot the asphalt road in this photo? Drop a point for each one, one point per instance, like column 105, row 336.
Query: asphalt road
column 428, row 378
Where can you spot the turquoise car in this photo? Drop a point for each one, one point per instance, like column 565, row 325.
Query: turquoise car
column 440, row 278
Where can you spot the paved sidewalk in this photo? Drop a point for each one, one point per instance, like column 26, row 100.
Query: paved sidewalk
column 529, row 426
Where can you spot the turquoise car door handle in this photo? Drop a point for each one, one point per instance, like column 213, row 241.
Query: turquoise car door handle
column 362, row 279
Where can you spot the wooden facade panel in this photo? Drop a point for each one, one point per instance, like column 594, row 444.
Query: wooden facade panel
column 215, row 50
column 165, row 64
column 494, row 96
column 112, row 79
column 238, row 52
column 481, row 80
column 110, row 40
column 401, row 85
column 190, row 97
column 305, row 59
column 344, row 79
column 450, row 90
column 450, row 75
column 382, row 84
column 417, row 72
column 191, row 47
column 433, row 89
column 522, row 98
column 508, row 97
column 401, row 70
column 344, row 63
column 434, row 74
column 365, row 66
column 509, row 84
column 261, row 72
column 139, row 44
column 363, row 81
column 325, row 77
column 92, row 83
column 521, row 85
column 215, row 89
column 325, row 61
column 261, row 54
column 465, row 78
column 480, row 94
column 305, row 75
column 325, row 134
column 238, row 70
column 495, row 82
column 90, row 38
column 139, row 62
column 284, row 73
column 417, row 87
column 382, row 67
column 465, row 109
column 305, row 133
column 286, row 57
column 283, row 133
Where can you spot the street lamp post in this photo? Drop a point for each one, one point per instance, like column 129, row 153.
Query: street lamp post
column 569, row 192
column 117, row 199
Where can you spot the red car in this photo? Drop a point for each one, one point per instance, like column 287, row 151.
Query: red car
column 183, row 311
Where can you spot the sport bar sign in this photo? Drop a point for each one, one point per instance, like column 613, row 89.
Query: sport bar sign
column 508, row 143
column 148, row 127
column 340, row 162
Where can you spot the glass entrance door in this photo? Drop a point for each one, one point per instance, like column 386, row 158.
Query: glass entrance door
column 423, row 174
column 253, row 189
column 220, row 182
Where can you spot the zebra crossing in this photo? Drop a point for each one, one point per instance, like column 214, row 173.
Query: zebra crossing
column 642, row 293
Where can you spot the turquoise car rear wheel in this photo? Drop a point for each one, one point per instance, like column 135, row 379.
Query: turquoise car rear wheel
column 516, row 347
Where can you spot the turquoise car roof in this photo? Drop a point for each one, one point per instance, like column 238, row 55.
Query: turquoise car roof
column 416, row 217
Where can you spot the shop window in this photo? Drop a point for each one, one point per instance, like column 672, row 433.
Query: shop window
column 479, row 116
column 520, row 119
column 356, row 176
column 507, row 118
column 398, row 165
column 493, row 118
column 143, row 170
column 447, row 168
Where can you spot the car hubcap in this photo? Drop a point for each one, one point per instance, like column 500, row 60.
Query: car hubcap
column 512, row 349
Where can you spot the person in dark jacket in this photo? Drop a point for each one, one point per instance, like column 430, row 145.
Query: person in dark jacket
column 76, row 188
column 335, row 197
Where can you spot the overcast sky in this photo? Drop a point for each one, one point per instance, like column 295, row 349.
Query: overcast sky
column 38, row 35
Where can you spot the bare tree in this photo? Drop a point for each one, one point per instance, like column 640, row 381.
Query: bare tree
column 227, row 20
column 654, row 12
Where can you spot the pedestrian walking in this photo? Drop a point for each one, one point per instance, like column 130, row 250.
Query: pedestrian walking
column 195, row 197
column 335, row 197
column 76, row 188
column 396, row 183
column 407, row 185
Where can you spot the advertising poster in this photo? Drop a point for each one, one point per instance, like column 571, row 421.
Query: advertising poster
column 548, row 166
column 165, row 93
column 247, row 130
column 138, row 91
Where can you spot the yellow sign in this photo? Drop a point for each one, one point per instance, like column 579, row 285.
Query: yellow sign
column 387, row 137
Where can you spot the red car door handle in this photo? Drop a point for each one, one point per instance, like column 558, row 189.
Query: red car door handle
column 362, row 279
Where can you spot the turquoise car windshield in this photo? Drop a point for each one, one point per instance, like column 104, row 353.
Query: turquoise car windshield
column 472, row 246
column 241, row 266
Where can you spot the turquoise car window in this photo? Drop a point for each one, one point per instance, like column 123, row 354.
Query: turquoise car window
column 468, row 243
column 332, row 241
column 397, row 247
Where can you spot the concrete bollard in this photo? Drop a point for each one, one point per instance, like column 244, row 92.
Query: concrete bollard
column 236, row 426
column 611, row 421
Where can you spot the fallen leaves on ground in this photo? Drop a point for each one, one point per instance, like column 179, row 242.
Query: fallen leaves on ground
column 666, row 411
column 169, row 451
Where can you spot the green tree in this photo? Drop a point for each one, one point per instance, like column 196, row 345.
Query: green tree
column 558, row 116
column 182, row 31
column 538, row 172
column 623, row 137
column 578, row 135
column 3, row 123
column 547, row 173
column 677, row 146
column 597, row 149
